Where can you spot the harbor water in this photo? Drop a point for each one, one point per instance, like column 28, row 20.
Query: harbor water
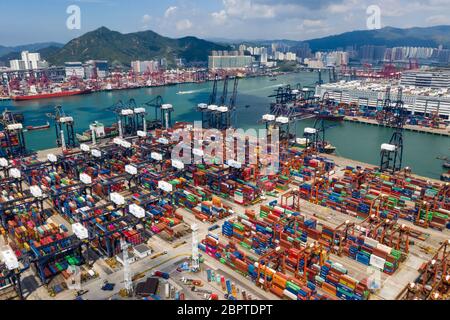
column 352, row 140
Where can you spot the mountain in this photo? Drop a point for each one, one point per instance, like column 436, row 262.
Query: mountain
column 124, row 48
column 29, row 47
column 388, row 36
column 45, row 53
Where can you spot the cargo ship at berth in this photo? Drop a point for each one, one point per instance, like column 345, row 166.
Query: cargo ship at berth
column 101, row 132
column 49, row 95
column 325, row 115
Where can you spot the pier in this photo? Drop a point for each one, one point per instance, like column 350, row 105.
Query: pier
column 415, row 128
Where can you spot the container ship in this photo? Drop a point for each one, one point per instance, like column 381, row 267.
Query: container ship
column 48, row 95
column 325, row 115
column 101, row 132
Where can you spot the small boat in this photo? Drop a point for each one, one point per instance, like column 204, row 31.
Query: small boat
column 36, row 128
column 446, row 165
column 329, row 148
column 445, row 177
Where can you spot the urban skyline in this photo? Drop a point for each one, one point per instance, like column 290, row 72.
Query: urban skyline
column 230, row 19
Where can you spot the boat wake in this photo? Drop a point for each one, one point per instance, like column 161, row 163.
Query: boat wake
column 189, row 92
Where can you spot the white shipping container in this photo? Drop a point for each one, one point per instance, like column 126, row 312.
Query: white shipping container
column 167, row 290
column 289, row 294
column 371, row 242
column 384, row 248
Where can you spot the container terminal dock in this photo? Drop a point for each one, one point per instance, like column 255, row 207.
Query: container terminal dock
column 413, row 244
column 436, row 131
column 122, row 218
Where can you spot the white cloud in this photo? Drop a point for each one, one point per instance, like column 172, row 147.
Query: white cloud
column 345, row 6
column 294, row 19
column 184, row 24
column 246, row 9
column 310, row 23
column 146, row 18
column 312, row 27
column 171, row 10
column 438, row 19
column 220, row 17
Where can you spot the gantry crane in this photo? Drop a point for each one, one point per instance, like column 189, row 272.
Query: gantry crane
column 13, row 135
column 434, row 280
column 394, row 116
column 219, row 113
column 213, row 95
column 12, row 268
column 156, row 103
column 315, row 136
column 64, row 128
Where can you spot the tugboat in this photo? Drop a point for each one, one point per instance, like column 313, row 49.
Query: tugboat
column 328, row 148
column 36, row 128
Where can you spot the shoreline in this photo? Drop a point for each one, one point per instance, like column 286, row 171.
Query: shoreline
column 8, row 98
column 342, row 161
column 408, row 127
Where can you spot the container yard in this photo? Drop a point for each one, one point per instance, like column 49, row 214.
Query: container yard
column 131, row 218
column 123, row 219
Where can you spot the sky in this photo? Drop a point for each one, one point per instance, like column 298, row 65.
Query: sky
column 29, row 21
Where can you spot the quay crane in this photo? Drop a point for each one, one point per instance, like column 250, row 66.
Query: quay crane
column 163, row 112
column 394, row 115
column 12, row 137
column 130, row 117
column 64, row 127
column 156, row 104
column 12, row 268
column 219, row 113
column 125, row 117
column 207, row 109
column 315, row 137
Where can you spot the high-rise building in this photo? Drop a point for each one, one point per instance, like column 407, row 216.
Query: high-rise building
column 313, row 63
column 17, row 65
column 242, row 49
column 264, row 58
column 229, row 62
column 29, row 61
column 372, row 53
column 33, row 60
column 290, row 56
column 74, row 69
column 144, row 66
column 100, row 68
column 303, row 50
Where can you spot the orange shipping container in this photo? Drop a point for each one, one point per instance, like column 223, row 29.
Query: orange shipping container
column 277, row 291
